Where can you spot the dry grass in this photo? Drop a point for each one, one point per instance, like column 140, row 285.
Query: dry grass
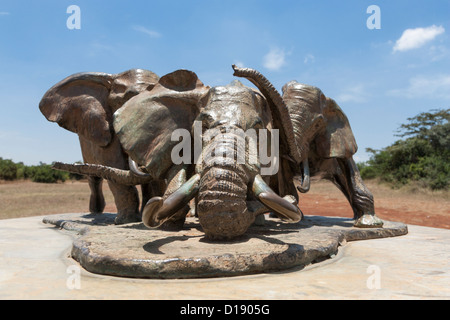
column 383, row 192
column 26, row 199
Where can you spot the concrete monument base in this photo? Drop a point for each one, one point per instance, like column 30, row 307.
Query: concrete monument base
column 36, row 263
column 132, row 250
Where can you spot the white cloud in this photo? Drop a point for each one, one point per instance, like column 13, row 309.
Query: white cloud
column 151, row 33
column 415, row 38
column 426, row 87
column 354, row 94
column 309, row 58
column 4, row 13
column 275, row 59
column 96, row 48
column 438, row 53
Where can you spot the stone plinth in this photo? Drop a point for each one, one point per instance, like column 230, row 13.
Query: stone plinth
column 133, row 250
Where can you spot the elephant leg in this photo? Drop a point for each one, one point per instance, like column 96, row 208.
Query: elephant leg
column 96, row 201
column 127, row 203
column 146, row 192
column 348, row 179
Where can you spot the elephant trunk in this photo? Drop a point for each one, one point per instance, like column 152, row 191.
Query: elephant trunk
column 292, row 124
column 222, row 207
column 279, row 108
column 124, row 177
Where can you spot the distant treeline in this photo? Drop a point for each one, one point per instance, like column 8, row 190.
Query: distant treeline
column 44, row 173
column 421, row 157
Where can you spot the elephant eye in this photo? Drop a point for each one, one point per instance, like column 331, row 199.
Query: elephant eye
column 206, row 120
column 258, row 124
column 119, row 88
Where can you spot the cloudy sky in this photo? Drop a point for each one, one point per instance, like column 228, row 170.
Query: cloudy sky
column 381, row 65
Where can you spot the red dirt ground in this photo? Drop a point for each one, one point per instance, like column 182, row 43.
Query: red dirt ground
column 425, row 209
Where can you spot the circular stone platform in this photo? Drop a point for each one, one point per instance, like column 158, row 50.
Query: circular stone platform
column 132, row 250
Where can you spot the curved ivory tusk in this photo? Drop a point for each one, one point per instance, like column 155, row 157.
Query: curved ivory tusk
column 273, row 201
column 157, row 210
column 306, row 183
column 135, row 169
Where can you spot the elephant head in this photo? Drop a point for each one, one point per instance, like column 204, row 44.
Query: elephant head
column 224, row 186
column 317, row 120
column 84, row 103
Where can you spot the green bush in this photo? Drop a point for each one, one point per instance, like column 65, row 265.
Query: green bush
column 8, row 170
column 45, row 174
column 40, row 173
column 366, row 171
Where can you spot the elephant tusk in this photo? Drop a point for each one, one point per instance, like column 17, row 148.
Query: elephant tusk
column 157, row 210
column 273, row 201
column 306, row 184
column 134, row 168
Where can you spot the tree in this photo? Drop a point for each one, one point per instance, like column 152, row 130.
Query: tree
column 421, row 125
column 423, row 155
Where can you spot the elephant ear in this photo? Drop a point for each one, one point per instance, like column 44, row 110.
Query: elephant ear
column 146, row 122
column 79, row 104
column 337, row 140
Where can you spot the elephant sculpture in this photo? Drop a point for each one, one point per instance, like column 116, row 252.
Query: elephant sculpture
column 84, row 103
column 230, row 194
column 326, row 143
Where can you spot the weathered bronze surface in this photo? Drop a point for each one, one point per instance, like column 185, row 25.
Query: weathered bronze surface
column 84, row 103
column 125, row 123
column 133, row 250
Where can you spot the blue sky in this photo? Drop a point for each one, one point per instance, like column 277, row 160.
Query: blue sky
column 379, row 77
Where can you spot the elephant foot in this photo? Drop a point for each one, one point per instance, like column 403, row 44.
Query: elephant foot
column 260, row 220
column 368, row 221
column 126, row 218
column 96, row 204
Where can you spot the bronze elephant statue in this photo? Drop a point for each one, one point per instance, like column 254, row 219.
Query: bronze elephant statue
column 326, row 143
column 230, row 191
column 84, row 103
